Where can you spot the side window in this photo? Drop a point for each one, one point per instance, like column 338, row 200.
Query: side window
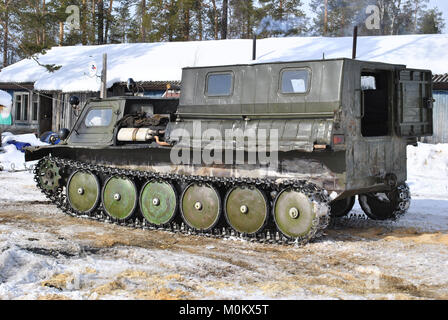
column 98, row 118
column 219, row 84
column 368, row 83
column 295, row 81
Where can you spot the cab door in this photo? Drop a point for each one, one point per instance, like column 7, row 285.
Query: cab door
column 414, row 107
column 97, row 122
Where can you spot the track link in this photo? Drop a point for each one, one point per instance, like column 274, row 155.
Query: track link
column 268, row 235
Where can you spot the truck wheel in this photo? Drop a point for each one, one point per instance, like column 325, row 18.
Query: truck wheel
column 341, row 208
column 386, row 206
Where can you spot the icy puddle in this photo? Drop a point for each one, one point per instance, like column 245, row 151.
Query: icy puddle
column 45, row 254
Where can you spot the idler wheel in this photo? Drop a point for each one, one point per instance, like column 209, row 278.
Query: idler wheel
column 246, row 210
column 49, row 175
column 341, row 208
column 294, row 214
column 201, row 206
column 386, row 206
column 158, row 202
column 119, row 197
column 83, row 191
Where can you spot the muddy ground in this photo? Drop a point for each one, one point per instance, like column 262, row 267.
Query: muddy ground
column 45, row 254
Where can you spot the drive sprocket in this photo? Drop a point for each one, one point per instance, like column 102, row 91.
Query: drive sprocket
column 48, row 175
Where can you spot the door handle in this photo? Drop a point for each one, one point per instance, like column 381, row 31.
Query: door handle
column 362, row 106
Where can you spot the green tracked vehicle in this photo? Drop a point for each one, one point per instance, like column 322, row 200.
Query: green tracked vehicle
column 266, row 151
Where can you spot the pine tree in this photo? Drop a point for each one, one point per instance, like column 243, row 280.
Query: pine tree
column 342, row 16
column 7, row 15
column 431, row 22
column 241, row 19
column 282, row 18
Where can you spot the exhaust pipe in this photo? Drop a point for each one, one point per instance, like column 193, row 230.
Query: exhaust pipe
column 355, row 42
column 254, row 48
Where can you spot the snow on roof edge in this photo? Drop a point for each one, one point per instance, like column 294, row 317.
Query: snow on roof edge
column 164, row 61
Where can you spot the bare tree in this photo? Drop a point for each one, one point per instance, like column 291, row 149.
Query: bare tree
column 4, row 14
column 224, row 22
column 215, row 18
column 142, row 22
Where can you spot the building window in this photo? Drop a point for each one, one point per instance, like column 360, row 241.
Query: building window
column 35, row 111
column 295, row 81
column 35, row 108
column 219, row 84
column 22, row 106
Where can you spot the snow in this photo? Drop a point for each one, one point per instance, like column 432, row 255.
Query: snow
column 12, row 159
column 164, row 61
column 45, row 254
column 428, row 171
column 6, row 103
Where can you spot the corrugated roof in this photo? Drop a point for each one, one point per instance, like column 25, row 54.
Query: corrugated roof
column 440, row 78
column 440, row 81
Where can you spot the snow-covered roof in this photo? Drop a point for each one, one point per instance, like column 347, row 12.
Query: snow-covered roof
column 164, row 61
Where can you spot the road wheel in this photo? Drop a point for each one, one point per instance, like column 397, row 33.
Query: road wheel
column 341, row 208
column 158, row 202
column 201, row 206
column 119, row 198
column 294, row 215
column 246, row 210
column 83, row 191
column 386, row 206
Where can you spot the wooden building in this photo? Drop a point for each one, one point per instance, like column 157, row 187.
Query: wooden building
column 440, row 112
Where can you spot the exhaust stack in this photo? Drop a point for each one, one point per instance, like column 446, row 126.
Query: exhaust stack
column 254, row 48
column 355, row 42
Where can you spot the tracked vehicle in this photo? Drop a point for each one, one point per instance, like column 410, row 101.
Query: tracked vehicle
column 266, row 151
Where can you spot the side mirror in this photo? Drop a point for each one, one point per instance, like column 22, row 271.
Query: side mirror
column 63, row 134
column 74, row 102
column 131, row 85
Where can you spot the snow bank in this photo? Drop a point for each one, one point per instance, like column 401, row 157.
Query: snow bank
column 428, row 170
column 12, row 159
column 164, row 61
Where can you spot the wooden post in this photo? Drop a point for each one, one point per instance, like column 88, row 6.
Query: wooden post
column 103, row 93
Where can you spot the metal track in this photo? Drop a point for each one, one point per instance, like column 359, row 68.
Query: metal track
column 269, row 235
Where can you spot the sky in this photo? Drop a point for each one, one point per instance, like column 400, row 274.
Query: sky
column 441, row 4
